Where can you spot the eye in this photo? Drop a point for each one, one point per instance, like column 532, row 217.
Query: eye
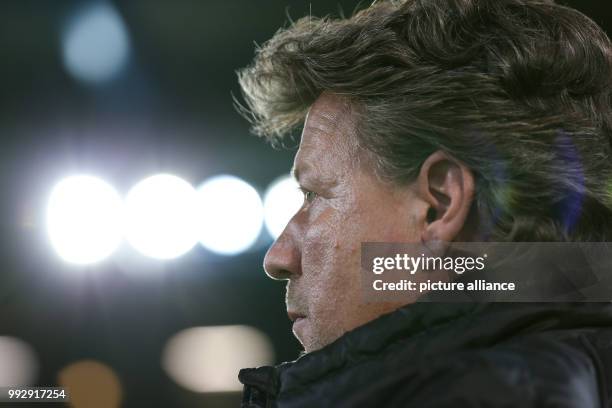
column 309, row 196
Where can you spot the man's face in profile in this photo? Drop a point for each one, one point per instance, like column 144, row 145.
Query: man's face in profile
column 345, row 204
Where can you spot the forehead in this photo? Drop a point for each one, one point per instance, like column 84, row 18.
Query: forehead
column 328, row 134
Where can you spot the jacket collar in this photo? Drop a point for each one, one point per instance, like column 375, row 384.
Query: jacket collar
column 422, row 329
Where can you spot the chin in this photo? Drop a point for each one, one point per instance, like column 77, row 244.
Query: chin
column 313, row 340
column 304, row 333
column 299, row 328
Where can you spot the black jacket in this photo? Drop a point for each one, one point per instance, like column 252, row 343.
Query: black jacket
column 453, row 355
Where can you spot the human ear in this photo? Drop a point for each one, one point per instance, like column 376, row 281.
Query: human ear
column 447, row 186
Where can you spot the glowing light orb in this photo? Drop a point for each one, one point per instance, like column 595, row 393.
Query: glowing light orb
column 91, row 384
column 207, row 359
column 84, row 219
column 19, row 366
column 281, row 201
column 95, row 44
column 230, row 215
column 161, row 216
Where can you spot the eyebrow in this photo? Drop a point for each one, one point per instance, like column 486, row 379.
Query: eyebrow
column 295, row 172
column 305, row 169
column 301, row 170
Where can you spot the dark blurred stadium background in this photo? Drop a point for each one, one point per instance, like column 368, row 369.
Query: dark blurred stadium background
column 153, row 96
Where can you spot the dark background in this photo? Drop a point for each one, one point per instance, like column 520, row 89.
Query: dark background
column 171, row 111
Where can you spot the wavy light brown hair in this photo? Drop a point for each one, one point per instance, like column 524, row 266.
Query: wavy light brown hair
column 519, row 90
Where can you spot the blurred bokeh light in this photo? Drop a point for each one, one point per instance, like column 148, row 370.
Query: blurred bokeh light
column 95, row 43
column 18, row 362
column 281, row 201
column 91, row 384
column 207, row 359
column 230, row 214
column 84, row 219
column 161, row 215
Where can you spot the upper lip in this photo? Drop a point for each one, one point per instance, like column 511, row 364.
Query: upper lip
column 293, row 316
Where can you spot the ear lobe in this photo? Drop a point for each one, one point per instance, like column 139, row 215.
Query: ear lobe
column 447, row 185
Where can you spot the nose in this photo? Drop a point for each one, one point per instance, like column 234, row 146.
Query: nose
column 283, row 259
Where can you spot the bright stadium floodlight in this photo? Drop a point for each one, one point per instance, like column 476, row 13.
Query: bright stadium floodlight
column 230, row 215
column 95, row 44
column 281, row 201
column 84, row 219
column 160, row 216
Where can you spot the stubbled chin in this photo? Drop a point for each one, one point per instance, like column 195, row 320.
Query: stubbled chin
column 310, row 337
column 300, row 331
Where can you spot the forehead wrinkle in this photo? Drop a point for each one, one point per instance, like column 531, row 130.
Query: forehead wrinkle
column 325, row 123
column 326, row 116
column 328, row 130
column 324, row 126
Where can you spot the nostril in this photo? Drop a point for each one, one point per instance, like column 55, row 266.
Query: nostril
column 278, row 274
column 280, row 265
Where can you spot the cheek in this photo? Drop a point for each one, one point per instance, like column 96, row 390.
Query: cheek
column 387, row 223
column 330, row 262
column 331, row 242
